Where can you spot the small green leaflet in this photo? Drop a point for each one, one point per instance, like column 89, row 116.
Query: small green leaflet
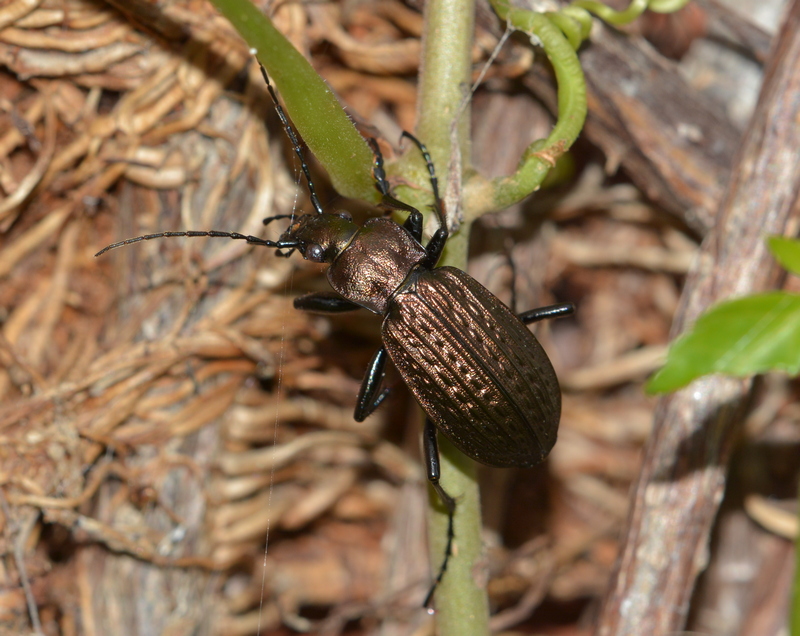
column 740, row 337
column 786, row 251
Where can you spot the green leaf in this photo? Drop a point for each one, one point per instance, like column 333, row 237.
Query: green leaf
column 786, row 251
column 739, row 337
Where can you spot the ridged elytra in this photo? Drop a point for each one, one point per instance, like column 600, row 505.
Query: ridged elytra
column 481, row 376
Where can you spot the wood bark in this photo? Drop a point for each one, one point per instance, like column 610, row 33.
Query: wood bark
column 683, row 478
column 674, row 142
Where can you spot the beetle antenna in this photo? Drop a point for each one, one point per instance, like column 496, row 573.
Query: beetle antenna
column 254, row 240
column 298, row 150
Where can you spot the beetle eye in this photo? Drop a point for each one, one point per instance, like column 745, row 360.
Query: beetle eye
column 344, row 214
column 315, row 253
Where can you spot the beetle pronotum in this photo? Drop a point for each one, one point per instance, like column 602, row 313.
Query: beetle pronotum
column 480, row 375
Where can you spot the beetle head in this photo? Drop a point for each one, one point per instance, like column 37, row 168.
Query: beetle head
column 321, row 237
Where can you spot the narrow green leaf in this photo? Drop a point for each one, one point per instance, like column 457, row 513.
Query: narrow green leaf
column 314, row 109
column 739, row 337
column 786, row 251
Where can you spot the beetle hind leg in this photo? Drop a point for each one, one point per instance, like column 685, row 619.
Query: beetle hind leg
column 430, row 447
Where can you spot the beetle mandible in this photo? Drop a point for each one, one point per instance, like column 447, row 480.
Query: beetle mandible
column 479, row 374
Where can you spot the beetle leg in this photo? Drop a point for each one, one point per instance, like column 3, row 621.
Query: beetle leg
column 414, row 225
column 369, row 397
column 550, row 311
column 324, row 303
column 430, row 448
column 377, row 167
column 414, row 221
column 435, row 246
column 381, row 182
column 434, row 249
column 541, row 313
column 437, row 200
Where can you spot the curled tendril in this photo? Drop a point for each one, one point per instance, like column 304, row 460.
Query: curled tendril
column 560, row 34
column 575, row 23
column 575, row 20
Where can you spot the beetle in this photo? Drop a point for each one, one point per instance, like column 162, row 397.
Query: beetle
column 480, row 375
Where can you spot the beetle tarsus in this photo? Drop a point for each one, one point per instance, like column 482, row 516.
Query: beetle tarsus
column 437, row 200
column 435, row 246
column 448, row 550
column 377, row 167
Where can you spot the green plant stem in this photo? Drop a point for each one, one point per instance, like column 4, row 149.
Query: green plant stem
column 667, row 6
column 314, row 109
column 631, row 12
column 444, row 77
column 461, row 602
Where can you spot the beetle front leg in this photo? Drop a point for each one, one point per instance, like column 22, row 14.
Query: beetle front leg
column 324, row 303
column 414, row 225
column 430, row 449
column 435, row 246
column 414, row 221
column 370, row 395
